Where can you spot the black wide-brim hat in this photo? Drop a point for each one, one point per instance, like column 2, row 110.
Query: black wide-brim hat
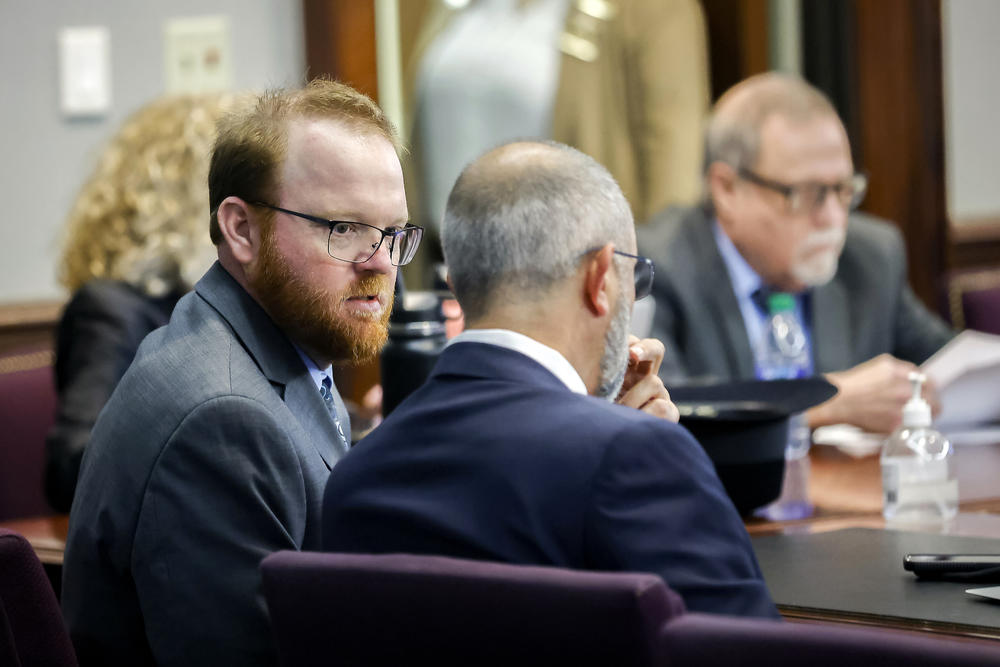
column 743, row 427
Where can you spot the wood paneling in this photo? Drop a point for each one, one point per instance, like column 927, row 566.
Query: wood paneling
column 28, row 325
column 974, row 243
column 902, row 128
column 340, row 42
column 737, row 40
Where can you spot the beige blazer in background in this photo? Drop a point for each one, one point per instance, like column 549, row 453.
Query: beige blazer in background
column 633, row 92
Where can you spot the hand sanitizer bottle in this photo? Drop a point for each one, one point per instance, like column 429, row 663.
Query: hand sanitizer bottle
column 918, row 467
column 784, row 354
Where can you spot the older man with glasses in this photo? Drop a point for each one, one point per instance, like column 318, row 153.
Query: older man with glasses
column 780, row 190
column 514, row 449
column 214, row 450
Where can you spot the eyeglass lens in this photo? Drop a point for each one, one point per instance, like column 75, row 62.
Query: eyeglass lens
column 643, row 278
column 808, row 197
column 356, row 242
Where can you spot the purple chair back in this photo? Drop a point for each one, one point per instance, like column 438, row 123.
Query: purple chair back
column 974, row 300
column 27, row 412
column 32, row 631
column 405, row 609
column 710, row 641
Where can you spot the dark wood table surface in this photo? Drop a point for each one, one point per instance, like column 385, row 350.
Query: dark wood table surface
column 847, row 493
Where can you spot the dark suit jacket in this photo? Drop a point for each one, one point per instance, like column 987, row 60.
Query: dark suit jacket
column 495, row 459
column 866, row 309
column 98, row 334
column 212, row 452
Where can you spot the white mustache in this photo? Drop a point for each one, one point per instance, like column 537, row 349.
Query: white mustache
column 822, row 238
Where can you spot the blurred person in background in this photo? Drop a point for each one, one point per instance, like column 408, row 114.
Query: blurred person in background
column 135, row 242
column 780, row 193
column 624, row 82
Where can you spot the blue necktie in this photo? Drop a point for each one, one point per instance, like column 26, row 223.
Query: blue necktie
column 324, row 391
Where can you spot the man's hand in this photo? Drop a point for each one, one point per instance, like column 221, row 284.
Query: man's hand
column 643, row 389
column 871, row 395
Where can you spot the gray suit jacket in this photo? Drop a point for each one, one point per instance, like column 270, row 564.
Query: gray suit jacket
column 865, row 310
column 212, row 453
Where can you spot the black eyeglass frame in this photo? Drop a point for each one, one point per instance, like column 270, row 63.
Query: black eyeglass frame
column 788, row 190
column 393, row 234
column 642, row 279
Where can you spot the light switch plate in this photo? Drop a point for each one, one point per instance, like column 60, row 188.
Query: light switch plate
column 85, row 71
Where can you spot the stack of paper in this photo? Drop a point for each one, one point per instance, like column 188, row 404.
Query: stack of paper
column 966, row 372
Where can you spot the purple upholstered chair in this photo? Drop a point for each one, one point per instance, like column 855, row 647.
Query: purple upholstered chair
column 703, row 640
column 27, row 411
column 974, row 300
column 32, row 631
column 404, row 609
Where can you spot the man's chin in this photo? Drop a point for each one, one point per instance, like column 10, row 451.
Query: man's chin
column 816, row 272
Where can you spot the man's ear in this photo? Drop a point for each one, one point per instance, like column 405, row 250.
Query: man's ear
column 237, row 232
column 596, row 280
column 721, row 182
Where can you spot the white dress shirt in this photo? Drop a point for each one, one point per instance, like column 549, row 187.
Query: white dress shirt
column 552, row 360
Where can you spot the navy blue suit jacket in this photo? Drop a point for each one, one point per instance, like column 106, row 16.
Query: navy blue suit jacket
column 495, row 459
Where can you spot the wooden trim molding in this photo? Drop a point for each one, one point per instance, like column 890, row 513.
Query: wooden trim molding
column 29, row 314
column 975, row 230
column 28, row 361
column 974, row 243
column 29, row 325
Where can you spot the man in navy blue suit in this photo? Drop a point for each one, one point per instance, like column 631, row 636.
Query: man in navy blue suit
column 513, row 450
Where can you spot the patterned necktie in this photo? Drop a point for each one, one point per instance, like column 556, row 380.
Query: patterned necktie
column 327, row 394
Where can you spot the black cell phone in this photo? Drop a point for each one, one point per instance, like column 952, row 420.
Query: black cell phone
column 958, row 567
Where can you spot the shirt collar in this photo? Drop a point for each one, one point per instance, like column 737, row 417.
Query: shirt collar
column 314, row 371
column 551, row 359
column 745, row 280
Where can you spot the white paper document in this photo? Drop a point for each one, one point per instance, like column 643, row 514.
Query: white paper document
column 966, row 373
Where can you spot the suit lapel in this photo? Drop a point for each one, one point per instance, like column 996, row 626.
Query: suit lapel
column 277, row 359
column 719, row 299
column 831, row 347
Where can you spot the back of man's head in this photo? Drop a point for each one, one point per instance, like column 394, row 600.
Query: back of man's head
column 251, row 142
column 734, row 128
column 520, row 217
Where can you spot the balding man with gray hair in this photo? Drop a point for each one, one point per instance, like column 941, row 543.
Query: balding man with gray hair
column 780, row 187
column 513, row 450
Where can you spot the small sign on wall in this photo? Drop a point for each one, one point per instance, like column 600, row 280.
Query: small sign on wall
column 197, row 54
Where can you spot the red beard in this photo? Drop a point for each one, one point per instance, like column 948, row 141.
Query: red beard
column 314, row 318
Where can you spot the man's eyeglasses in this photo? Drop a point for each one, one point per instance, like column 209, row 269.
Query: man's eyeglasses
column 357, row 242
column 807, row 197
column 642, row 273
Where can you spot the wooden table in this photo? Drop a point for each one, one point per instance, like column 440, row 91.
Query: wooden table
column 847, row 493
column 46, row 534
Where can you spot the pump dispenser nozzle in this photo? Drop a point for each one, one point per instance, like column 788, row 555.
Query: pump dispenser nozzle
column 917, row 412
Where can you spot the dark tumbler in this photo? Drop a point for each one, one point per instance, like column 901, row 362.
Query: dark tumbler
column 416, row 338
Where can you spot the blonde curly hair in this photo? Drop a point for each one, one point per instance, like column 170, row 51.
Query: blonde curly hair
column 142, row 216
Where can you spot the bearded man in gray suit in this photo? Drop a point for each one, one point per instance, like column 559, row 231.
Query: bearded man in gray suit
column 215, row 447
column 780, row 185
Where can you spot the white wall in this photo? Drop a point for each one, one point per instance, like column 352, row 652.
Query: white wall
column 45, row 157
column 971, row 64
